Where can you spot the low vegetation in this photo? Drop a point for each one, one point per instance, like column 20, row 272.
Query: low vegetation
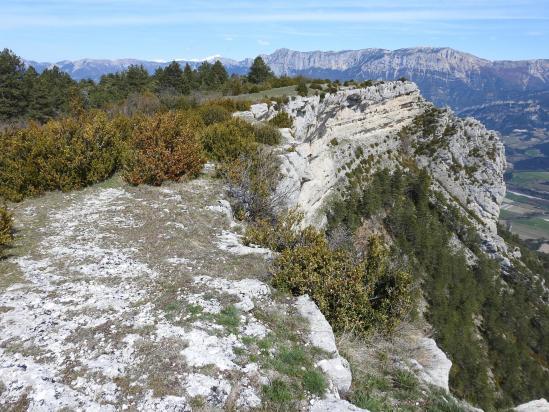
column 65, row 154
column 486, row 326
column 163, row 147
column 6, row 229
column 355, row 293
column 281, row 120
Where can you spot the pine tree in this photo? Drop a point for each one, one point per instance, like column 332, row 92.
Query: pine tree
column 57, row 85
column 137, row 79
column 219, row 74
column 12, row 94
column 189, row 79
column 205, row 76
column 259, row 71
column 170, row 78
column 36, row 95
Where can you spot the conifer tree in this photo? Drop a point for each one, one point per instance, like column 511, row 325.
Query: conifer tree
column 189, row 79
column 204, row 73
column 219, row 74
column 137, row 79
column 36, row 95
column 259, row 71
column 12, row 95
column 170, row 78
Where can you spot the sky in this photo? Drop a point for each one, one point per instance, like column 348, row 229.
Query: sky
column 54, row 30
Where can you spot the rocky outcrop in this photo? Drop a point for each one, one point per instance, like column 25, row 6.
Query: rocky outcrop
column 322, row 337
column 539, row 405
column 330, row 137
column 430, row 363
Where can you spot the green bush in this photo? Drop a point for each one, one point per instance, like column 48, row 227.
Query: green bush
column 267, row 134
column 64, row 154
column 283, row 234
column 229, row 140
column 213, row 113
column 164, row 147
column 6, row 229
column 281, row 120
column 302, row 89
column 354, row 296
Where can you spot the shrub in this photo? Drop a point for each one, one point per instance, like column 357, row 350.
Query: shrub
column 283, row 234
column 282, row 120
column 229, row 140
column 353, row 296
column 6, row 229
column 232, row 105
column 164, row 147
column 302, row 89
column 64, row 154
column 138, row 103
column 267, row 134
column 252, row 181
column 213, row 113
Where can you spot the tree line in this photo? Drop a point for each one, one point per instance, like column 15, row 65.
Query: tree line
column 26, row 94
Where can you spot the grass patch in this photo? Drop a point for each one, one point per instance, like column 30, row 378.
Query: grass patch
column 277, row 392
column 229, row 317
column 314, row 382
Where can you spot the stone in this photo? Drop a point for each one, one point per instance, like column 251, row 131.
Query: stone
column 430, row 363
column 539, row 405
column 339, row 371
column 334, row 405
column 321, row 334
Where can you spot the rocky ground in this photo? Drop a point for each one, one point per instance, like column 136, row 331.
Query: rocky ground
column 124, row 298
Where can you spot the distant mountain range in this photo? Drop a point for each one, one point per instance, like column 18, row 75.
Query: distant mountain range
column 509, row 96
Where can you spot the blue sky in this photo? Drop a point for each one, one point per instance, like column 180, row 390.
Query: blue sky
column 52, row 30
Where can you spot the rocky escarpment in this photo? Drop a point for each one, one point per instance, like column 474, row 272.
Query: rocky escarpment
column 382, row 126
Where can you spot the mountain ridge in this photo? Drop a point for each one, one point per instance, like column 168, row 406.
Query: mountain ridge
column 506, row 95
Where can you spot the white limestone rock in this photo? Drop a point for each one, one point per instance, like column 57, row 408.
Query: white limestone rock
column 430, row 363
column 339, row 371
column 334, row 405
column 539, row 405
column 322, row 336
column 333, row 135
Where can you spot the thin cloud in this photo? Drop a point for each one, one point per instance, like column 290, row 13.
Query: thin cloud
column 20, row 21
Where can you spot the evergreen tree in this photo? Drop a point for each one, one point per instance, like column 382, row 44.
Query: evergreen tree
column 189, row 79
column 137, row 79
column 36, row 95
column 58, row 86
column 219, row 74
column 205, row 75
column 170, row 78
column 259, row 71
column 12, row 94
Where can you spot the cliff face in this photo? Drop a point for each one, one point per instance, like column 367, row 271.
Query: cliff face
column 384, row 124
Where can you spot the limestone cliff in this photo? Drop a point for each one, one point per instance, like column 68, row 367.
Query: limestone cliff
column 384, row 124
